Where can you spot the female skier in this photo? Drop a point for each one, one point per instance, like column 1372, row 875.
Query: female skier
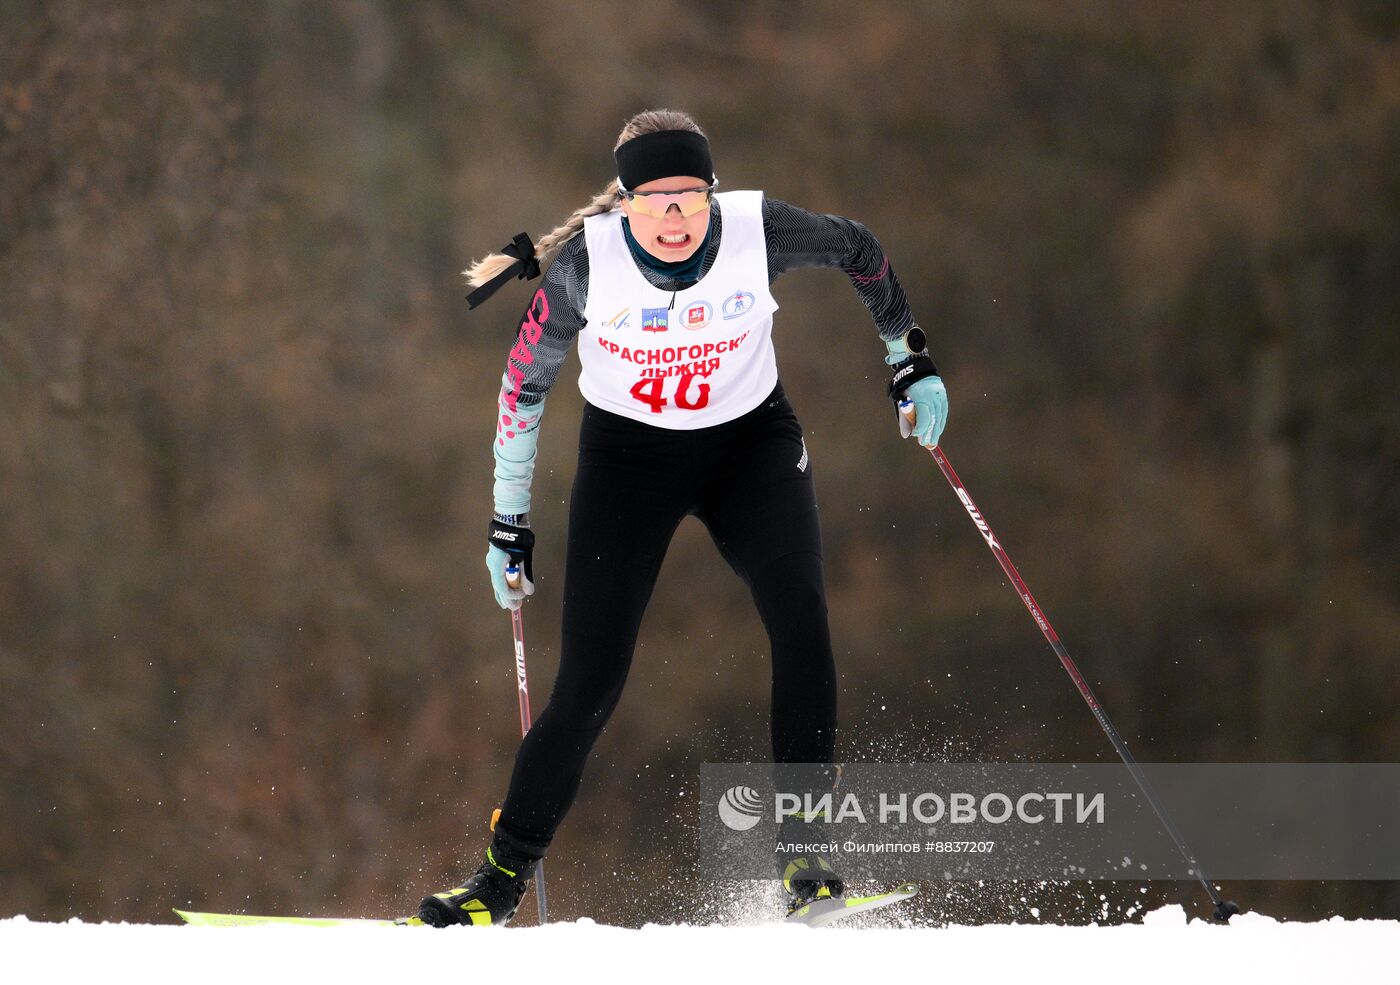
column 667, row 292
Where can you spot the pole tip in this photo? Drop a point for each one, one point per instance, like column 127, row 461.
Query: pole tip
column 1224, row 910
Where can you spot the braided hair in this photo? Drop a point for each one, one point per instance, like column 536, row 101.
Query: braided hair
column 649, row 121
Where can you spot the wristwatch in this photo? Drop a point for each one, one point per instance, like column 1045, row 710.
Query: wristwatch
column 913, row 367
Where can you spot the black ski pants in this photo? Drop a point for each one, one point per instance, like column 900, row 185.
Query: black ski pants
column 750, row 482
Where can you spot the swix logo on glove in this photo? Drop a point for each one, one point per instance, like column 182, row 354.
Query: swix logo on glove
column 505, row 535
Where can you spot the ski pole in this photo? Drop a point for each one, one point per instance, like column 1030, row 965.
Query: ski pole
column 522, row 689
column 1224, row 909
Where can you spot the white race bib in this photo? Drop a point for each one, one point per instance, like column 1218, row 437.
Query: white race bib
column 687, row 360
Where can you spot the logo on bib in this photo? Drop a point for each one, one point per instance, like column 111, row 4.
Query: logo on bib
column 654, row 320
column 620, row 319
column 737, row 304
column 697, row 315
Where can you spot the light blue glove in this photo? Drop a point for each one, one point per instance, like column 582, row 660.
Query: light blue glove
column 497, row 561
column 927, row 398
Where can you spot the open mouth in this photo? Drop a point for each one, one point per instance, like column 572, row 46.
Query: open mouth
column 674, row 241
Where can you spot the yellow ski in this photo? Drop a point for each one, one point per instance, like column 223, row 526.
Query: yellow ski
column 821, row 912
column 248, row 920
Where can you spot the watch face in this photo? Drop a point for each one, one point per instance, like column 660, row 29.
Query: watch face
column 915, row 340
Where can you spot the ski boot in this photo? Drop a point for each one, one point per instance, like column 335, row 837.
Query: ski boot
column 490, row 897
column 810, row 878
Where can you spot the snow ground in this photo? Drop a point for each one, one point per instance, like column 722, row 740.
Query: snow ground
column 1164, row 948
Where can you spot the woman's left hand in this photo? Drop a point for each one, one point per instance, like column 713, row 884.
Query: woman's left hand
column 927, row 401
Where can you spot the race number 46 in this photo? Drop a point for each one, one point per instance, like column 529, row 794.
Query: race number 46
column 650, row 391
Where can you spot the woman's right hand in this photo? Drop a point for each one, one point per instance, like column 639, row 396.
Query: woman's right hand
column 511, row 546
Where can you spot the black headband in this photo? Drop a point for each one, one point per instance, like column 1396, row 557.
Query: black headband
column 663, row 154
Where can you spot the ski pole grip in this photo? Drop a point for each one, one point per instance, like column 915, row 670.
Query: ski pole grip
column 906, row 407
column 513, row 575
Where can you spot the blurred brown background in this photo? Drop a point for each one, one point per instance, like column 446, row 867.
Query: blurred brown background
column 249, row 658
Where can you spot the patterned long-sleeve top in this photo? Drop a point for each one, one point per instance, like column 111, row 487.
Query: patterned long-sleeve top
column 795, row 238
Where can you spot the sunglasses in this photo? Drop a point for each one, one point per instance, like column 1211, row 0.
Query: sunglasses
column 657, row 204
